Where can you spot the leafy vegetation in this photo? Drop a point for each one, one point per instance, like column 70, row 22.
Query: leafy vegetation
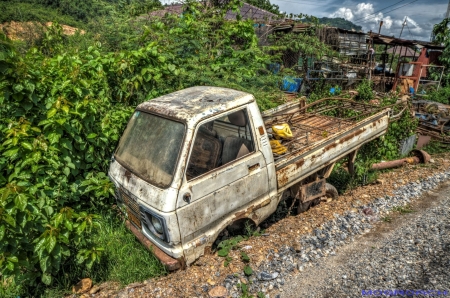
column 403, row 209
column 64, row 101
column 441, row 34
column 384, row 148
column 26, row 12
column 365, row 91
column 72, row 11
column 435, row 147
column 441, row 95
column 59, row 128
column 63, row 106
column 266, row 5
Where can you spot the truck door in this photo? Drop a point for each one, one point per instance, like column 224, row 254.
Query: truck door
column 225, row 171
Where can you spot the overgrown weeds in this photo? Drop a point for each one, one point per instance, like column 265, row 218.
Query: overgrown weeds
column 435, row 147
column 124, row 260
column 403, row 209
column 365, row 91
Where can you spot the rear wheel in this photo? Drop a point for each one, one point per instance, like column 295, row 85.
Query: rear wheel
column 331, row 192
column 303, row 207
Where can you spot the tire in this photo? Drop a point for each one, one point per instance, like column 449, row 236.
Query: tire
column 303, row 207
column 331, row 192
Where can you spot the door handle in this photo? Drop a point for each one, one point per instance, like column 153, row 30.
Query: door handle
column 253, row 167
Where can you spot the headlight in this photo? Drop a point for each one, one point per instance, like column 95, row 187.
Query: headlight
column 156, row 222
column 153, row 224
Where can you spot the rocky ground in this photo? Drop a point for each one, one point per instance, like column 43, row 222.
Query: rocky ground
column 296, row 245
column 409, row 252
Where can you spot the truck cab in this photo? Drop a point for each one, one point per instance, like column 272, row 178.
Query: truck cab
column 188, row 165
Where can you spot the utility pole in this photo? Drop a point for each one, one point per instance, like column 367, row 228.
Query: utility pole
column 404, row 24
column 381, row 24
column 448, row 10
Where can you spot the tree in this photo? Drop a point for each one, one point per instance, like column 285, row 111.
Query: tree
column 266, row 5
column 441, row 34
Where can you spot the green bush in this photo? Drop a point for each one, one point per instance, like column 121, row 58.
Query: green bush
column 62, row 110
column 58, row 129
column 365, row 91
column 442, row 95
column 26, row 12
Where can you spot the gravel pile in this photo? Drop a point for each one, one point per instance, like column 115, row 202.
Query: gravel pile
column 404, row 259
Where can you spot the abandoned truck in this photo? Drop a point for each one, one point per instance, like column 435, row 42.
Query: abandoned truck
column 195, row 162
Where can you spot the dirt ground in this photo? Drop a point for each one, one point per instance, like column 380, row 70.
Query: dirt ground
column 210, row 270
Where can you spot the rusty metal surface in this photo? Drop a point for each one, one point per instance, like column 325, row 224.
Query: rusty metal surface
column 313, row 190
column 316, row 122
column 434, row 119
column 422, row 141
column 251, row 186
column 196, row 103
column 132, row 209
column 418, row 156
column 395, row 163
column 324, row 132
column 170, row 263
column 423, row 156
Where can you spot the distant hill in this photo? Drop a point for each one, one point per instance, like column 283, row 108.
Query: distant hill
column 340, row 23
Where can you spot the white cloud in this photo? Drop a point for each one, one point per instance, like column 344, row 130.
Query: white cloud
column 364, row 14
column 364, row 9
column 343, row 12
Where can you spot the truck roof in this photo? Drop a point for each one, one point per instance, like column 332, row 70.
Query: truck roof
column 196, row 103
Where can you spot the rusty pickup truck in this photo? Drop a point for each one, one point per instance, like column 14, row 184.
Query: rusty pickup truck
column 197, row 161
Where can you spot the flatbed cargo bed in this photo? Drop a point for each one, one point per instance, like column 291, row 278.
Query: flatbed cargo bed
column 323, row 132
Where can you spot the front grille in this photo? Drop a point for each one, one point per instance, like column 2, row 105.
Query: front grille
column 132, row 209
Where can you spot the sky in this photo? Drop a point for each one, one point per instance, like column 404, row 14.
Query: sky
column 421, row 15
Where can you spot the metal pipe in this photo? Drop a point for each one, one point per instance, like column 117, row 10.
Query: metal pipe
column 419, row 156
column 395, row 163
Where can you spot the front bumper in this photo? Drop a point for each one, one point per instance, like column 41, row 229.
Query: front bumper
column 170, row 263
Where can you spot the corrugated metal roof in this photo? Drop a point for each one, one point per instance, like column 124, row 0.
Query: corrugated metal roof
column 402, row 51
column 391, row 40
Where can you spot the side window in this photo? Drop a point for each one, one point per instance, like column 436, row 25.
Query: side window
column 219, row 142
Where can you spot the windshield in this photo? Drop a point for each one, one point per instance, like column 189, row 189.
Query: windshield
column 150, row 146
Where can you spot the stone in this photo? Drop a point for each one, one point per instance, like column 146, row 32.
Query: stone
column 268, row 276
column 218, row 292
column 211, row 282
column 94, row 290
column 82, row 286
column 368, row 211
column 380, row 181
column 297, row 247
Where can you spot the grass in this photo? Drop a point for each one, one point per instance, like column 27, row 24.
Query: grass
column 403, row 209
column 435, row 147
column 8, row 288
column 386, row 219
column 124, row 260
